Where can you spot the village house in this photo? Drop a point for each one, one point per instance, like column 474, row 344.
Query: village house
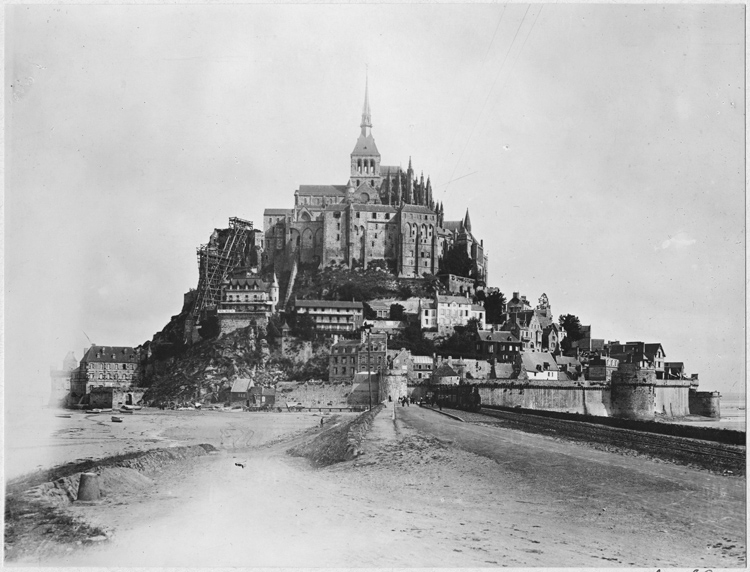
column 517, row 304
column 111, row 373
column 349, row 357
column 240, row 392
column 601, row 368
column 333, row 317
column 455, row 311
column 525, row 326
column 647, row 356
column 539, row 366
column 246, row 299
column 444, row 374
column 502, row 346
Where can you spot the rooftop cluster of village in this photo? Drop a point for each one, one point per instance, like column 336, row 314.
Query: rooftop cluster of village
column 383, row 221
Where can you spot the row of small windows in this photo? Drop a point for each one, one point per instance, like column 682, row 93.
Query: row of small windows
column 112, row 366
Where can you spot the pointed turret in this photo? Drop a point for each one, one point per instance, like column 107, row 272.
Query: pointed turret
column 366, row 124
column 429, row 202
column 365, row 159
column 467, row 221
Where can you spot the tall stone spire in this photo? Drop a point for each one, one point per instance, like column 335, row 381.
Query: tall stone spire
column 467, row 222
column 366, row 124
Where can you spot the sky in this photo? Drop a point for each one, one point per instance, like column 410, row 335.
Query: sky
column 600, row 150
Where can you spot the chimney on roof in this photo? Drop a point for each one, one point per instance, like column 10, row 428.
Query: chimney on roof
column 515, row 294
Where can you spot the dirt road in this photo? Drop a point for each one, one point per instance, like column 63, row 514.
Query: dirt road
column 428, row 492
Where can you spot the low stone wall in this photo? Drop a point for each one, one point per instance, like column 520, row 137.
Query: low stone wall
column 358, row 429
column 315, row 395
column 361, row 392
column 340, row 442
column 393, row 386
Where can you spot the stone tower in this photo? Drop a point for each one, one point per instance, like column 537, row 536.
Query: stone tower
column 365, row 159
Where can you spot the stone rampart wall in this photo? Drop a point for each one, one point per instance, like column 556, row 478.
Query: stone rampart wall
column 705, row 403
column 393, row 386
column 310, row 395
column 361, row 391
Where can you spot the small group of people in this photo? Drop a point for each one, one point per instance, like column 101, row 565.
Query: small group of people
column 404, row 401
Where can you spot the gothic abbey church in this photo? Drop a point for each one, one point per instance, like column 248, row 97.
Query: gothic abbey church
column 382, row 216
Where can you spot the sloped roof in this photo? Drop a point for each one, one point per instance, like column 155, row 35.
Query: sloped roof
column 651, row 349
column 452, row 225
column 378, row 305
column 255, row 283
column 272, row 212
column 453, row 300
column 421, row 359
column 110, row 354
column 444, row 370
column 568, row 360
column 389, row 169
column 491, row 336
column 240, row 385
column 544, row 320
column 523, row 318
column 322, row 190
column 327, row 304
column 477, row 308
column 418, row 209
column 533, row 359
column 373, row 208
column 504, row 371
column 365, row 146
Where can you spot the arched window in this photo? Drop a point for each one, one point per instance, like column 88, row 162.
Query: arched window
column 359, row 166
column 307, row 238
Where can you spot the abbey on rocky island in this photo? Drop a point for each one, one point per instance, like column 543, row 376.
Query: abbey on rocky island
column 383, row 216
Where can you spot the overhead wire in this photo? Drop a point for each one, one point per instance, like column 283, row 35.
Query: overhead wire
column 476, row 83
column 489, row 93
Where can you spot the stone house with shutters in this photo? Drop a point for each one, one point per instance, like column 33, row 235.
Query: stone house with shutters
column 111, row 367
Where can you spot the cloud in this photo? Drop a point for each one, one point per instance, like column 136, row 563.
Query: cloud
column 676, row 242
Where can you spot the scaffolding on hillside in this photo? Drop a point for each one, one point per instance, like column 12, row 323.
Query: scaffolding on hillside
column 216, row 261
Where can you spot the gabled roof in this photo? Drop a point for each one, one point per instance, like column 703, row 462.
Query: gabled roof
column 651, row 349
column 533, row 359
column 365, row 146
column 491, row 336
column 523, row 318
column 504, row 371
column 568, row 360
column 240, row 385
column 110, row 354
column 452, row 225
column 444, row 370
column 255, row 283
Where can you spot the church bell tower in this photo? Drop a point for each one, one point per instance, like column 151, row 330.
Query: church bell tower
column 365, row 159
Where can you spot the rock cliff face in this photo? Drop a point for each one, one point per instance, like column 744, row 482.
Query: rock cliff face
column 205, row 371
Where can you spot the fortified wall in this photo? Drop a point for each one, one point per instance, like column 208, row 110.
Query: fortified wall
column 633, row 393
